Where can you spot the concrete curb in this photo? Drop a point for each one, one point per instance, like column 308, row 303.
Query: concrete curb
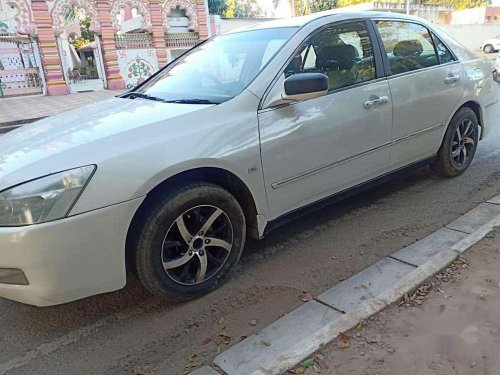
column 10, row 125
column 289, row 340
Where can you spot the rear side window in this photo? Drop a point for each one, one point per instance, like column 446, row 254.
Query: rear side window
column 444, row 54
column 409, row 46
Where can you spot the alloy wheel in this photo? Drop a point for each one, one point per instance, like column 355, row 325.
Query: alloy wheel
column 463, row 143
column 197, row 245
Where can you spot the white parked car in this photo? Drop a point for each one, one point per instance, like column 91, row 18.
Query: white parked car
column 234, row 138
column 491, row 45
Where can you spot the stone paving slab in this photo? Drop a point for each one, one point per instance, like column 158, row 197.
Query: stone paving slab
column 205, row 370
column 259, row 351
column 475, row 218
column 495, row 200
column 419, row 252
column 369, row 283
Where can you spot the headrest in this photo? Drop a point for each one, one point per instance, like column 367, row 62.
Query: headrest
column 408, row 48
column 337, row 57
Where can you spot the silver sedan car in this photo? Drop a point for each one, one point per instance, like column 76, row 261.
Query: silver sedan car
column 230, row 140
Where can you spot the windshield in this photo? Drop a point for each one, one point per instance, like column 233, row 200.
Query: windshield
column 217, row 70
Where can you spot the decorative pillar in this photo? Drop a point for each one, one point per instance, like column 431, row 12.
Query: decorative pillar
column 203, row 19
column 114, row 79
column 54, row 77
column 159, row 40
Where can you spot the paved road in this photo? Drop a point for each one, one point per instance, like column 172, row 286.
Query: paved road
column 131, row 332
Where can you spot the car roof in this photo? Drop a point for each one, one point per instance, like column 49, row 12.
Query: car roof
column 336, row 14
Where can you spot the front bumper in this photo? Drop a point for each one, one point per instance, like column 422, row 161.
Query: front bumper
column 68, row 259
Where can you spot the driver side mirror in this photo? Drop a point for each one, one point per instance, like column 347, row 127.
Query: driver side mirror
column 299, row 87
column 305, row 86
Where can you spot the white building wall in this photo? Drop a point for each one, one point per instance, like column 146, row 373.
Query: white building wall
column 469, row 16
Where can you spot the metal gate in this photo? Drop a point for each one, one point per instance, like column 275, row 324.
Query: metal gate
column 19, row 66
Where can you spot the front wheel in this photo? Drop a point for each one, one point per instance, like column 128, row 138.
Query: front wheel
column 189, row 241
column 459, row 144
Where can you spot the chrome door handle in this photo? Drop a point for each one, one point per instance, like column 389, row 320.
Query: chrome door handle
column 451, row 79
column 375, row 101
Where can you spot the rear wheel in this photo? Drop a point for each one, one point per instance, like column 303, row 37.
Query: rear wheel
column 488, row 48
column 459, row 144
column 190, row 241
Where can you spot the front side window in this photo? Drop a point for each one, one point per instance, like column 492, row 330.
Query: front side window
column 344, row 53
column 409, row 46
column 219, row 69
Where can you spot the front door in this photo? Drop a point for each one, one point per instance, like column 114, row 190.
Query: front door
column 318, row 147
column 425, row 83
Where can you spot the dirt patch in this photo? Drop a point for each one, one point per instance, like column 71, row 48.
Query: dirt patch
column 449, row 326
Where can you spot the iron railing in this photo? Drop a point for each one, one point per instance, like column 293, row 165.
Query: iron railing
column 133, row 41
column 182, row 40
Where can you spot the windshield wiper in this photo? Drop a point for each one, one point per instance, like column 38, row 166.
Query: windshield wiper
column 192, row 101
column 133, row 95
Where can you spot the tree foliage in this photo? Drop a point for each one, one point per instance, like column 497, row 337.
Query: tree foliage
column 346, row 3
column 301, row 7
column 456, row 4
column 321, row 5
column 217, row 7
column 243, row 9
column 87, row 35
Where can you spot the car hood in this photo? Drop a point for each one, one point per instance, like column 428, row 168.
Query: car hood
column 35, row 143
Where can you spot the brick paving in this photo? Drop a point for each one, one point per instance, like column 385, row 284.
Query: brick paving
column 28, row 108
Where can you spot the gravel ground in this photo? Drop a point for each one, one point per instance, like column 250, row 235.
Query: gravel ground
column 131, row 332
column 449, row 326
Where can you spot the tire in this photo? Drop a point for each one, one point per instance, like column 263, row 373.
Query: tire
column 488, row 48
column 171, row 251
column 459, row 144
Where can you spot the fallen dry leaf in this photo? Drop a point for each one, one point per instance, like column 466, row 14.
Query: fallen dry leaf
column 305, row 296
column 343, row 336
column 222, row 340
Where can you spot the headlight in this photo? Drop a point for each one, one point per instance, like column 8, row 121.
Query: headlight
column 44, row 199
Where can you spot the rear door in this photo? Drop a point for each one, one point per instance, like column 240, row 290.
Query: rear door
column 425, row 80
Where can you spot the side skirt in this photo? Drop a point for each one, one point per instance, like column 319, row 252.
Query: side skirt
column 340, row 196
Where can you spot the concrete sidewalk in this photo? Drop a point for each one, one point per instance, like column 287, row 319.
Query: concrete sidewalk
column 451, row 325
column 20, row 110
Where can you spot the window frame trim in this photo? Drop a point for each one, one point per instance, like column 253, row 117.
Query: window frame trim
column 435, row 37
column 377, row 59
column 431, row 32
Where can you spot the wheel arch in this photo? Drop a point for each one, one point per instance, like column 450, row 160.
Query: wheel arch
column 476, row 108
column 214, row 175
